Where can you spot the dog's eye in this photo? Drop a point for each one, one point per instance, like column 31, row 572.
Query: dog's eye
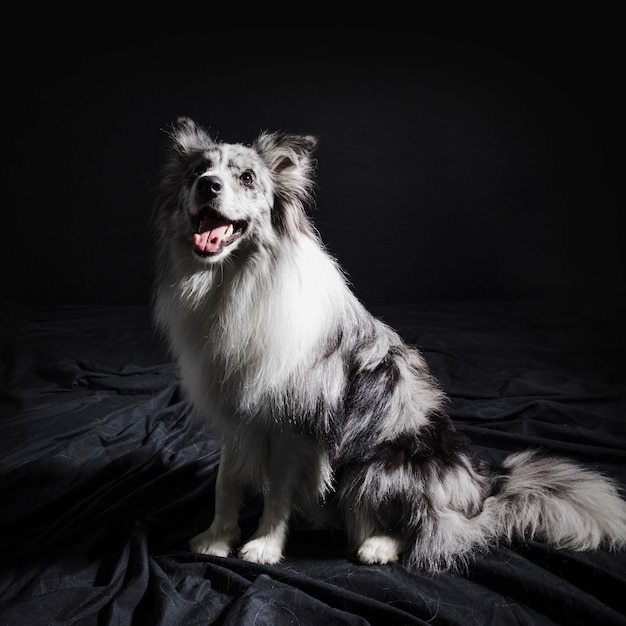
column 198, row 170
column 247, row 178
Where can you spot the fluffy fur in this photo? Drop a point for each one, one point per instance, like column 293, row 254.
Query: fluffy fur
column 322, row 407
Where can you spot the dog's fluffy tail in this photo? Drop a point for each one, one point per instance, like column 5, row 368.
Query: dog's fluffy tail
column 555, row 501
column 533, row 497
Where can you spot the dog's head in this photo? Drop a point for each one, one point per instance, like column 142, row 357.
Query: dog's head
column 218, row 197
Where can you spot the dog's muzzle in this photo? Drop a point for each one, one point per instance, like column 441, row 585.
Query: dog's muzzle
column 214, row 231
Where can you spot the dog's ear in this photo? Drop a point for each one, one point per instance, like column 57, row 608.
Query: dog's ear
column 187, row 139
column 187, row 136
column 289, row 158
column 282, row 151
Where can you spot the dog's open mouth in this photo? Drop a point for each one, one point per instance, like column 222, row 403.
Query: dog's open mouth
column 214, row 232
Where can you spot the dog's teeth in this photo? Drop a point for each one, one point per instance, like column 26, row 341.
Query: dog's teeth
column 229, row 231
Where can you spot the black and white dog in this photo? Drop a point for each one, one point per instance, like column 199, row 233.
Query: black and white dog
column 320, row 405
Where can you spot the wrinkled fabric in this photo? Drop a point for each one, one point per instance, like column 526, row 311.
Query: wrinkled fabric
column 105, row 475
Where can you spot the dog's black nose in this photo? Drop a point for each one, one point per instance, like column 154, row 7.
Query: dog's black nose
column 209, row 187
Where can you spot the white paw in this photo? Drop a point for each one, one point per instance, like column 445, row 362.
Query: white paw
column 380, row 549
column 262, row 550
column 208, row 543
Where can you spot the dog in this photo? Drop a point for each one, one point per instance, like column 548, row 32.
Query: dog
column 322, row 408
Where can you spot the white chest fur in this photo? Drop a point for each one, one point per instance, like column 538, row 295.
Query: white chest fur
column 241, row 334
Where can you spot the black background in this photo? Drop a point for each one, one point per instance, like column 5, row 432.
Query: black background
column 465, row 161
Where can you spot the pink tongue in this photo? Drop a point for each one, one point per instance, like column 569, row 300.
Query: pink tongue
column 211, row 236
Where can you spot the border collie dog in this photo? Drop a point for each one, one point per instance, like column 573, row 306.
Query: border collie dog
column 321, row 407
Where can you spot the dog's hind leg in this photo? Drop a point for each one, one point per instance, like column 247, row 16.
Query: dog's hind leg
column 380, row 549
column 223, row 534
column 372, row 518
column 418, row 508
column 372, row 537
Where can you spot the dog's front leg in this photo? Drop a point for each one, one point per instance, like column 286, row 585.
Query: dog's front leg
column 284, row 467
column 267, row 543
column 223, row 533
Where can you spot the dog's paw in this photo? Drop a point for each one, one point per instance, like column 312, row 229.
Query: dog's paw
column 208, row 543
column 262, row 550
column 380, row 549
